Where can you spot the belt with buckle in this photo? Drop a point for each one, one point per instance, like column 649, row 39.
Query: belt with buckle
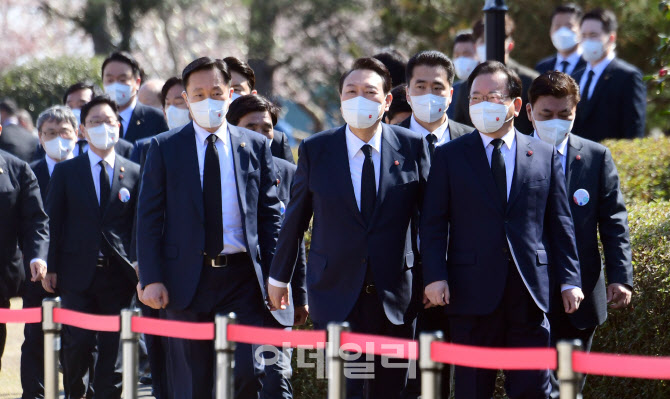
column 102, row 262
column 225, row 260
column 369, row 289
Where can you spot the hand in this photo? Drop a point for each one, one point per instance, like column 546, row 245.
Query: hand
column 618, row 295
column 155, row 295
column 49, row 283
column 437, row 293
column 300, row 315
column 571, row 299
column 38, row 269
column 140, row 292
column 278, row 297
column 426, row 302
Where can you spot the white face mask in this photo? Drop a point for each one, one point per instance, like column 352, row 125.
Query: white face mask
column 361, row 113
column 235, row 96
column 77, row 114
column 209, row 113
column 594, row 50
column 564, row 39
column 120, row 93
column 177, row 117
column 59, row 148
column 489, row 117
column 464, row 66
column 553, row 131
column 429, row 107
column 103, row 137
column 481, row 52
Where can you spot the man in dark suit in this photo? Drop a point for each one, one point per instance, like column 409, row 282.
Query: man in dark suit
column 565, row 36
column 25, row 225
column 362, row 183
column 597, row 207
column 614, row 97
column 492, row 218
column 121, row 79
column 92, row 200
column 15, row 139
column 207, row 225
column 56, row 127
column 243, row 81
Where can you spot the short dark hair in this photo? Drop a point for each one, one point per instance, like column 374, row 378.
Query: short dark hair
column 241, row 67
column 568, row 8
column 399, row 103
column 491, row 67
column 464, row 37
column 606, row 17
column 9, row 106
column 126, row 58
column 173, row 81
column 371, row 64
column 479, row 27
column 251, row 103
column 396, row 63
column 98, row 100
column 77, row 87
column 555, row 84
column 431, row 58
column 202, row 64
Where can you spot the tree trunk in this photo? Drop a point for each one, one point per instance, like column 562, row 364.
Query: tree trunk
column 95, row 24
column 261, row 43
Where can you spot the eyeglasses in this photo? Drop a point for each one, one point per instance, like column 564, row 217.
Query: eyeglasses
column 97, row 122
column 491, row 97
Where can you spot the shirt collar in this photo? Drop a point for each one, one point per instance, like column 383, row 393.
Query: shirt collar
column 415, row 126
column 354, row 144
column 95, row 159
column 572, row 59
column 507, row 138
column 51, row 163
column 600, row 67
column 563, row 145
column 202, row 134
column 127, row 113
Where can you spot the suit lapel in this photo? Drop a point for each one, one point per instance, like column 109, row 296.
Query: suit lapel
column 240, row 154
column 136, row 120
column 476, row 156
column 116, row 184
column 388, row 174
column 573, row 167
column 524, row 163
column 601, row 83
column 191, row 169
column 342, row 175
column 87, row 181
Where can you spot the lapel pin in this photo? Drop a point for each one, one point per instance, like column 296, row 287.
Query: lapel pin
column 138, row 123
column 124, row 194
column 243, row 144
column 578, row 157
column 278, row 181
column 1, row 171
column 122, row 169
column 396, row 162
column 529, row 153
column 120, row 177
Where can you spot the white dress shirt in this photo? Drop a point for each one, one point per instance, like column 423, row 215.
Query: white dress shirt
column 51, row 163
column 127, row 114
column 356, row 158
column 233, row 232
column 442, row 132
column 508, row 152
column 597, row 71
column 95, row 169
column 572, row 60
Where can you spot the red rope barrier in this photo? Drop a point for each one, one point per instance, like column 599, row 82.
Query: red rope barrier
column 380, row 345
column 30, row 315
column 494, row 358
column 173, row 329
column 629, row 366
column 87, row 321
column 276, row 336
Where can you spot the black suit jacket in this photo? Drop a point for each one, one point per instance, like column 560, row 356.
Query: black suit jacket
column 23, row 223
column 122, row 147
column 41, row 170
column 455, row 129
column 78, row 222
column 280, row 147
column 549, row 64
column 145, row 122
column 617, row 108
column 590, row 167
column 19, row 142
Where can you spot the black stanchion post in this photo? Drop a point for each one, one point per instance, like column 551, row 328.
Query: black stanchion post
column 225, row 354
column 495, row 11
column 431, row 371
column 129, row 343
column 568, row 379
column 51, row 347
column 335, row 363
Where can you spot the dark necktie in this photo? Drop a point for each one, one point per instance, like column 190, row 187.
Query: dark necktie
column 368, row 185
column 120, row 127
column 104, row 185
column 498, row 169
column 431, row 139
column 211, row 192
column 81, row 144
column 564, row 66
column 585, row 94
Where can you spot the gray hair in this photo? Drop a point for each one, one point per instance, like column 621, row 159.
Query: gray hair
column 57, row 113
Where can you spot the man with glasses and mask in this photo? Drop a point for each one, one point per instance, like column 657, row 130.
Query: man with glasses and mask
column 91, row 201
column 493, row 199
column 565, row 37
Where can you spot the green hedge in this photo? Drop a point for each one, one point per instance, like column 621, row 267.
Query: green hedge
column 41, row 84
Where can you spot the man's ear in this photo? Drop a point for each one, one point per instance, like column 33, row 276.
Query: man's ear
column 529, row 112
column 388, row 101
column 517, row 106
